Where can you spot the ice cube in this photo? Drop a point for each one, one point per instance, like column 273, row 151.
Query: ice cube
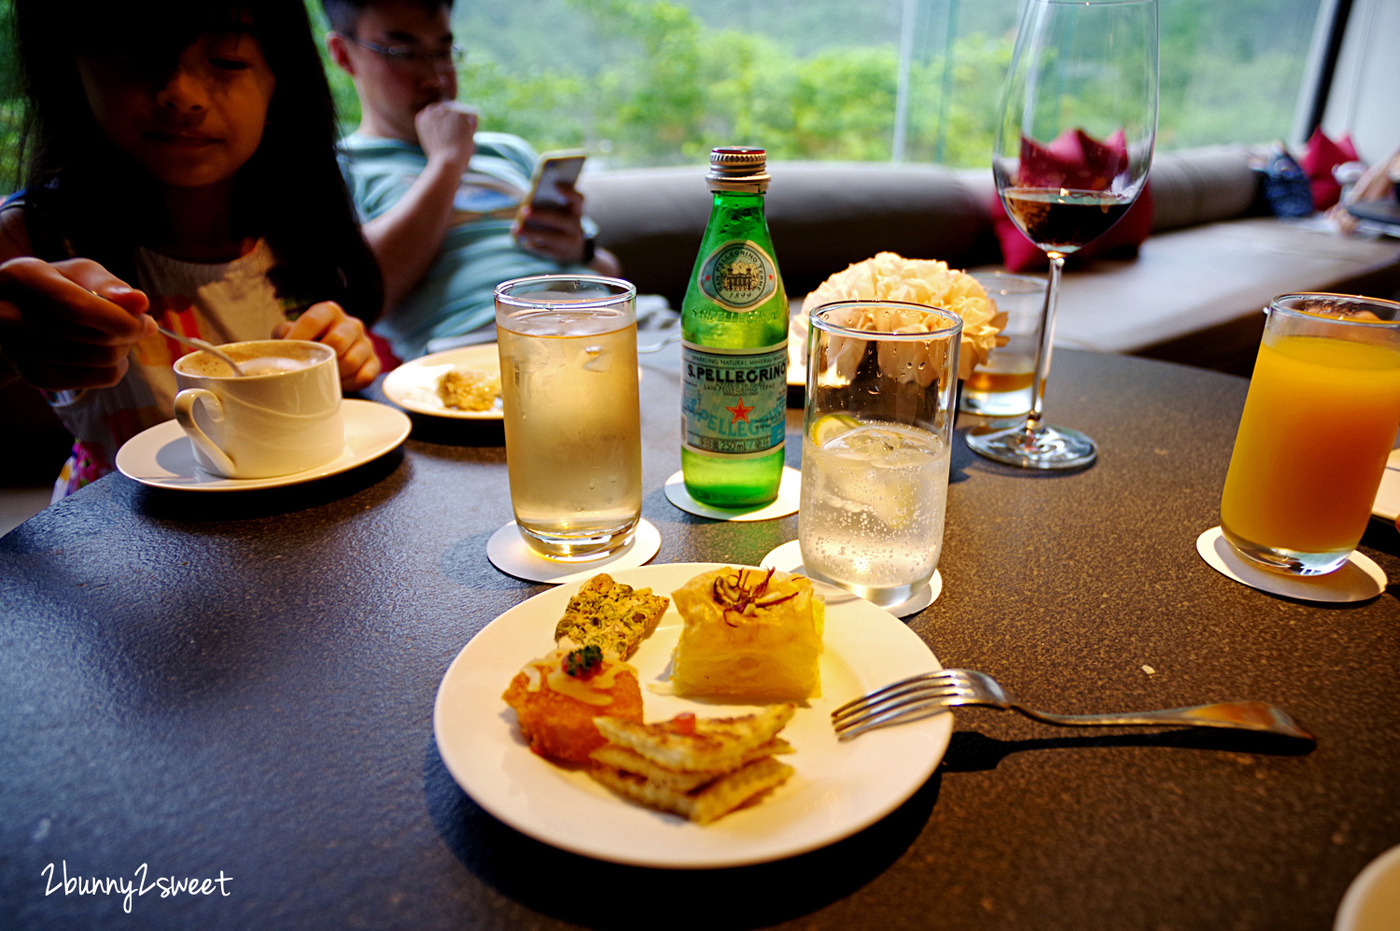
column 595, row 359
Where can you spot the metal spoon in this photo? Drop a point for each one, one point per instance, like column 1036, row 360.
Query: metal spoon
column 210, row 348
column 213, row 350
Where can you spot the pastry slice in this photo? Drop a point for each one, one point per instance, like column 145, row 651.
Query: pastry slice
column 690, row 743
column 706, row 802
column 680, row 780
column 614, row 617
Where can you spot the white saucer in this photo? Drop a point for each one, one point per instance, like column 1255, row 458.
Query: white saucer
column 1372, row 901
column 1358, row 579
column 162, row 456
column 788, row 558
column 509, row 552
column 789, row 491
column 414, row 385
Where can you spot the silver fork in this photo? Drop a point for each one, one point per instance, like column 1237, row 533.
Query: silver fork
column 935, row 692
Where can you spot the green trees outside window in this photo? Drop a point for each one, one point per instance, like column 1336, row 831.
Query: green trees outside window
column 657, row 82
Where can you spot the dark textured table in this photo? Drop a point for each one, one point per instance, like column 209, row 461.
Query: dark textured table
column 241, row 685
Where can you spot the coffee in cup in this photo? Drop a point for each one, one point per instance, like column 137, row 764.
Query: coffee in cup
column 285, row 356
column 281, row 416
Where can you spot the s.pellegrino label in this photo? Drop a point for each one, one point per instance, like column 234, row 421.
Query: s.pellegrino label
column 739, row 275
column 733, row 400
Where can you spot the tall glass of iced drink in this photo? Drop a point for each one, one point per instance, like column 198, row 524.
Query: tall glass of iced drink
column 568, row 347
column 876, row 445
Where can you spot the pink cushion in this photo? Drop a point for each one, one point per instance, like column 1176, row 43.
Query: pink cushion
column 1079, row 161
column 1322, row 156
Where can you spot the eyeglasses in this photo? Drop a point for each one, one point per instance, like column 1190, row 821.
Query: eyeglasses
column 403, row 56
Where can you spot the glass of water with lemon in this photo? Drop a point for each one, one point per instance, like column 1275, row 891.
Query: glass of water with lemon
column 881, row 384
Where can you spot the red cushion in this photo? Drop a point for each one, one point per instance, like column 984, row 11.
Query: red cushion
column 1322, row 156
column 1079, row 161
column 387, row 360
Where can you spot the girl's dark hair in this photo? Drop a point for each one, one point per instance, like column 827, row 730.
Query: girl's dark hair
column 84, row 197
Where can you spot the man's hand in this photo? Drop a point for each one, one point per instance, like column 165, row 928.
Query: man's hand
column 328, row 323
column 557, row 233
column 406, row 238
column 447, row 131
column 69, row 324
column 553, row 232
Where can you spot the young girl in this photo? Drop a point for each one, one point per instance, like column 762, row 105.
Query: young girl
column 180, row 169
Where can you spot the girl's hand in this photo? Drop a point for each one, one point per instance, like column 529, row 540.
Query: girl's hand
column 328, row 323
column 69, row 324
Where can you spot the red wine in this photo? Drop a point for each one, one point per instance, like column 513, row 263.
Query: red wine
column 1062, row 221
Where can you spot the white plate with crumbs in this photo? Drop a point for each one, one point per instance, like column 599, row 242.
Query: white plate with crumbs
column 414, row 385
column 837, row 789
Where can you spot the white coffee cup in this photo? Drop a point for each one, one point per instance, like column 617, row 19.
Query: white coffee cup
column 282, row 417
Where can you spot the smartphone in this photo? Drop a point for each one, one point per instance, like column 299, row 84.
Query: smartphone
column 1384, row 212
column 554, row 168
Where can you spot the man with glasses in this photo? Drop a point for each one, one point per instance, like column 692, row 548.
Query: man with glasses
column 439, row 200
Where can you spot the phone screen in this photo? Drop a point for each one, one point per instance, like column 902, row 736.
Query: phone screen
column 554, row 168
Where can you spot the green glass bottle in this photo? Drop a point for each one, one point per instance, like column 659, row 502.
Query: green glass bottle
column 734, row 329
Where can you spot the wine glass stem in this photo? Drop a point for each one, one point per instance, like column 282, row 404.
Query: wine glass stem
column 1047, row 337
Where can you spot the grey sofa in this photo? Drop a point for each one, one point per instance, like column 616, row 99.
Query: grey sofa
column 1193, row 295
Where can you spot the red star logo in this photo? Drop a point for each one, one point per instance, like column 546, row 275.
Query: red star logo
column 740, row 412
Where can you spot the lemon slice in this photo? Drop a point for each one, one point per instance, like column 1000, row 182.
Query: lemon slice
column 830, row 426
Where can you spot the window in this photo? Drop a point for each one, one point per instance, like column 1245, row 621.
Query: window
column 657, row 82
column 661, row 81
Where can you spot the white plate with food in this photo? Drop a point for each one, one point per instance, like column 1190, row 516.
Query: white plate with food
column 416, row 385
column 836, row 790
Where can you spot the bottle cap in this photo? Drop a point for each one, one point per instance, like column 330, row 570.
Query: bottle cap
column 738, row 168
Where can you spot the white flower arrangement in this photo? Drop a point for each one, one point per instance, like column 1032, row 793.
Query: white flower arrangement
column 891, row 277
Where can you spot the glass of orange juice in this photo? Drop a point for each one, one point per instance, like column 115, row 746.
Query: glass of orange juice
column 1319, row 422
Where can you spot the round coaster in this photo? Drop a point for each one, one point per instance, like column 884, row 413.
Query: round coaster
column 509, row 552
column 789, row 490
column 1358, row 579
column 788, row 558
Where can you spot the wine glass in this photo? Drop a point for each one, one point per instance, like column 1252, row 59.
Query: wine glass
column 1073, row 146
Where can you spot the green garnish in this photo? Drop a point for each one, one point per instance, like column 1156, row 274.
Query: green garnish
column 584, row 663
